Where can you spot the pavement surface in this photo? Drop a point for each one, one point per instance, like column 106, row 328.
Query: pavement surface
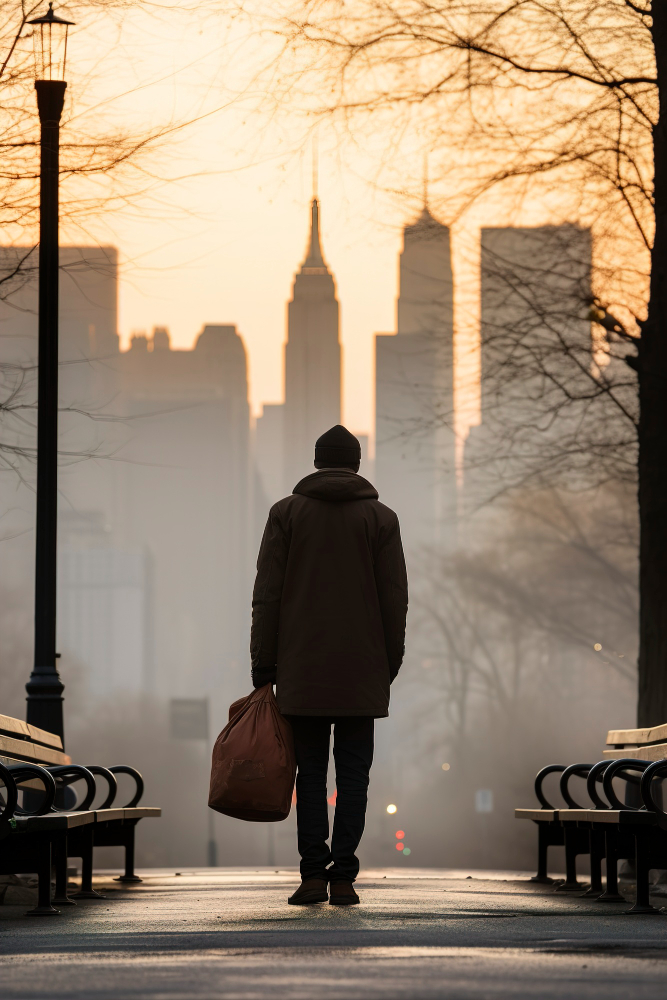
column 418, row 934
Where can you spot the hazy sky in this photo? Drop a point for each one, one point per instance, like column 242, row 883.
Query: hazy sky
column 221, row 244
column 221, row 223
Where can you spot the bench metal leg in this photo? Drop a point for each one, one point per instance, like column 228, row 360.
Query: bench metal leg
column 570, row 884
column 597, row 848
column 542, row 847
column 611, row 893
column 44, row 907
column 60, row 864
column 643, row 862
column 86, row 891
column 129, row 875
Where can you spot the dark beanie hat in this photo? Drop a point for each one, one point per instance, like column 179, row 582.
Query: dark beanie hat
column 337, row 447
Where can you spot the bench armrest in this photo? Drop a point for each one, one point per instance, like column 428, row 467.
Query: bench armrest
column 539, row 778
column 139, row 781
column 112, row 784
column 28, row 772
column 76, row 771
column 11, row 797
column 595, row 775
column 658, row 769
column 582, row 771
column 615, row 769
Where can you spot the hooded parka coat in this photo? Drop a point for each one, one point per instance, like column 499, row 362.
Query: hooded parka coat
column 330, row 599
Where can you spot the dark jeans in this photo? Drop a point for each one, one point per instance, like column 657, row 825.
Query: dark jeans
column 353, row 754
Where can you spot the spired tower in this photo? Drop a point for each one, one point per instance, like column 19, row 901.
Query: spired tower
column 312, row 359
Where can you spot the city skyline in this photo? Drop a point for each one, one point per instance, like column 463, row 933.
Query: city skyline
column 363, row 315
column 228, row 198
column 356, row 381
column 465, row 255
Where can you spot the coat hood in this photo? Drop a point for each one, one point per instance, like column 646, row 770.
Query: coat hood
column 336, row 484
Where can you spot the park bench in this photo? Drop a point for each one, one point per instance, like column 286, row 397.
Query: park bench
column 634, row 829
column 53, row 823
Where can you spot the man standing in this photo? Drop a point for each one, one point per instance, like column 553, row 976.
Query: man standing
column 328, row 628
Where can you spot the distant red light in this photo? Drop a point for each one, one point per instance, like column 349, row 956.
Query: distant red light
column 400, row 845
column 400, row 834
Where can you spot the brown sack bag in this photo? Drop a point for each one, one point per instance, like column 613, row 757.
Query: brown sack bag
column 253, row 766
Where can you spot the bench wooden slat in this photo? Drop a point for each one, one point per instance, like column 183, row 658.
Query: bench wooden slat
column 109, row 815
column 656, row 752
column 13, row 726
column 637, row 736
column 142, row 812
column 31, row 752
column 575, row 815
column 54, row 821
column 625, row 817
column 21, row 748
column 17, row 727
column 545, row 815
column 48, row 739
column 45, row 755
column 622, row 816
column 136, row 812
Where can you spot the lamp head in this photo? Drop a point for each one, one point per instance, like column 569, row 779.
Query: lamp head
column 50, row 44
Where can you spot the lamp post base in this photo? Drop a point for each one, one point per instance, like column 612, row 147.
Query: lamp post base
column 45, row 701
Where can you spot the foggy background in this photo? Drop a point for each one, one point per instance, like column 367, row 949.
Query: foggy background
column 521, row 551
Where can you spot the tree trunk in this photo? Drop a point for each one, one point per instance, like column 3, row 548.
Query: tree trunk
column 652, row 371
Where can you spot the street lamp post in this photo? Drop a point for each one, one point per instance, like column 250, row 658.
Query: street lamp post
column 45, row 689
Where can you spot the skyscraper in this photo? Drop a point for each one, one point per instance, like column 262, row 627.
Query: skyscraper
column 154, row 481
column 312, row 359
column 269, row 454
column 415, row 445
column 535, row 344
column 183, row 486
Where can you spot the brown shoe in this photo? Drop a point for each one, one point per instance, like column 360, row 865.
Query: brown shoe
column 342, row 894
column 311, row 890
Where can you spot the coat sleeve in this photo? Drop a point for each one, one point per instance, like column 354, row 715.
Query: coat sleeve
column 391, row 580
column 267, row 593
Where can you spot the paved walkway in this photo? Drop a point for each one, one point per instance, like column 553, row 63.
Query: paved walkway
column 419, row 934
